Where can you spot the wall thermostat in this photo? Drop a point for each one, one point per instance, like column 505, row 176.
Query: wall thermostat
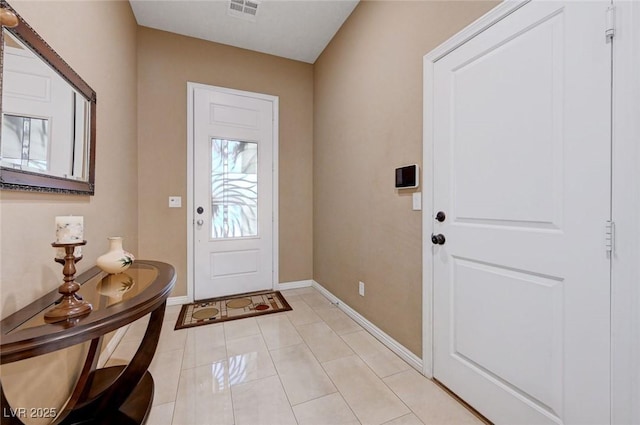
column 407, row 177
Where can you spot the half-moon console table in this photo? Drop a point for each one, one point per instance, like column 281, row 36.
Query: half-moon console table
column 114, row 395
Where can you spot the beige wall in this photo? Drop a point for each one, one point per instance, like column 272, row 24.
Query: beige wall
column 98, row 40
column 166, row 62
column 367, row 121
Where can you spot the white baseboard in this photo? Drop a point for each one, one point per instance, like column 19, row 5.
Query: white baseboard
column 294, row 285
column 111, row 346
column 406, row 355
column 177, row 300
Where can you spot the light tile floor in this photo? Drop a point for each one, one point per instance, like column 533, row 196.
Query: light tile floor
column 309, row 366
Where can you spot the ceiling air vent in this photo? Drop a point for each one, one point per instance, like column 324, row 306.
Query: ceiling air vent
column 243, row 9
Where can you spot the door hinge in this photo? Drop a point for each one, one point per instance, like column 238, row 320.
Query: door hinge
column 609, row 236
column 610, row 30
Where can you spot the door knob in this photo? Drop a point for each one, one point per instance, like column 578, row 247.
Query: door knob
column 438, row 239
column 440, row 216
column 200, row 222
column 200, row 210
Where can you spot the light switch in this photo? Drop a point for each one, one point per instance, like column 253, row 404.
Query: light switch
column 175, row 202
column 417, row 201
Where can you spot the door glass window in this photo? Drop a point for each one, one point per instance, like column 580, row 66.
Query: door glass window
column 234, row 189
column 25, row 143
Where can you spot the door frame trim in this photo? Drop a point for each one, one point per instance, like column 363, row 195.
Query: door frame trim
column 191, row 86
column 625, row 267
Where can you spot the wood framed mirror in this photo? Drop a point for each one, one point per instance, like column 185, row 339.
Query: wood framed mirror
column 48, row 134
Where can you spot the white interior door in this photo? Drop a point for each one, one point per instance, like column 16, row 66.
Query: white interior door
column 233, row 192
column 36, row 104
column 522, row 150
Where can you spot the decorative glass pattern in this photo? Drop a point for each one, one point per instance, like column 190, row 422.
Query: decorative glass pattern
column 234, row 189
column 25, row 142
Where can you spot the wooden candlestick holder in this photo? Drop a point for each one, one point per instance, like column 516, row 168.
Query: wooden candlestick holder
column 71, row 305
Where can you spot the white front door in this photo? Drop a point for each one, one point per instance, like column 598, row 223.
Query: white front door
column 233, row 192
column 522, row 169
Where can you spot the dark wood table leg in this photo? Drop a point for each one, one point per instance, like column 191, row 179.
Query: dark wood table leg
column 10, row 416
column 109, row 394
column 83, row 385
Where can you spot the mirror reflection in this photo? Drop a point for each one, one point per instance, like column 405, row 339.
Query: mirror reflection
column 48, row 122
column 45, row 121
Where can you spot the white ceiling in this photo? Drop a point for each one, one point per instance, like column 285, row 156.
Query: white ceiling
column 293, row 29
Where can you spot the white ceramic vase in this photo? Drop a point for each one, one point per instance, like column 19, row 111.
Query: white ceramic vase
column 116, row 260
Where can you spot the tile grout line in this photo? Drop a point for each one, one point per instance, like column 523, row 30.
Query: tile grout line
column 226, row 356
column 325, row 372
column 276, row 368
column 175, row 398
column 385, row 384
column 398, row 395
column 355, row 353
column 339, row 392
column 382, row 379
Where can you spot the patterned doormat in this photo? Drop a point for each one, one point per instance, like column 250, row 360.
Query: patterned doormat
column 215, row 310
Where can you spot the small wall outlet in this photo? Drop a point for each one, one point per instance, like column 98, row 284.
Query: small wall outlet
column 361, row 288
